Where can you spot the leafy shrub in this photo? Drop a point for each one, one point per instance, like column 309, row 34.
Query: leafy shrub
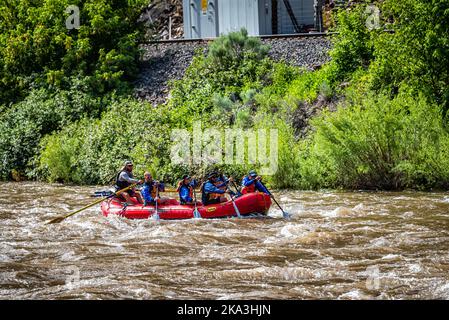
column 42, row 112
column 230, row 51
column 378, row 144
column 36, row 48
column 92, row 150
column 417, row 53
column 352, row 46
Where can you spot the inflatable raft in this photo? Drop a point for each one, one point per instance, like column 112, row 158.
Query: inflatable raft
column 248, row 204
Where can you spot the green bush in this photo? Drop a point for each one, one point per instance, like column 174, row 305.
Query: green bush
column 352, row 45
column 231, row 51
column 417, row 53
column 36, row 48
column 378, row 144
column 309, row 85
column 41, row 113
column 91, row 150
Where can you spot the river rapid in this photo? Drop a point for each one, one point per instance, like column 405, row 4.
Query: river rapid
column 338, row 245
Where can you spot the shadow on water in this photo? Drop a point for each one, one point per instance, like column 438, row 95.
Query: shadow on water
column 338, row 245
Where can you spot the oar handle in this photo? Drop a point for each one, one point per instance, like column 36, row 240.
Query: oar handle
column 123, row 190
column 236, row 188
column 236, row 209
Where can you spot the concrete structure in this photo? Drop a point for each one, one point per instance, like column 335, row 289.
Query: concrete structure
column 211, row 18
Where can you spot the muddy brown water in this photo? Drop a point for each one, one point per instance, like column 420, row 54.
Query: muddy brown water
column 338, row 245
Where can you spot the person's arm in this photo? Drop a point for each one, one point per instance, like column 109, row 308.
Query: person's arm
column 261, row 188
column 210, row 188
column 161, row 187
column 221, row 185
column 125, row 177
column 247, row 182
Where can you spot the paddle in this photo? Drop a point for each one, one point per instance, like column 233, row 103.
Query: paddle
column 235, row 207
column 156, row 214
column 196, row 213
column 236, row 188
column 59, row 219
column 286, row 215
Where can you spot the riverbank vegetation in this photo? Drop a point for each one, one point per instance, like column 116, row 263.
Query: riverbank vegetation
column 378, row 109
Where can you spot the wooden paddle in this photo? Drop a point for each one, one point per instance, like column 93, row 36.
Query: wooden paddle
column 59, row 219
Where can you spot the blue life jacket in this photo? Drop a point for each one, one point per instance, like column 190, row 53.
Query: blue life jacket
column 185, row 193
column 210, row 192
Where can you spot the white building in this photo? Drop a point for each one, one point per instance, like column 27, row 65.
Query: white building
column 211, row 18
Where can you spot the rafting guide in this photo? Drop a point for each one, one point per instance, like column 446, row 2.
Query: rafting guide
column 214, row 146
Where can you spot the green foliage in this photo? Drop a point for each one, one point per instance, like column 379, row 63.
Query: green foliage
column 42, row 112
column 352, row 44
column 51, row 76
column 309, row 85
column 286, row 175
column 417, row 52
column 387, row 133
column 235, row 64
column 378, row 144
column 36, row 48
column 91, row 151
column 231, row 51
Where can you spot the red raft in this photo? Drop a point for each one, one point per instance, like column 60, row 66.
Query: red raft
column 248, row 204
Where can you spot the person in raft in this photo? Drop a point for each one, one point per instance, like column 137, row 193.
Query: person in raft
column 211, row 194
column 124, row 179
column 252, row 183
column 185, row 190
column 222, row 183
column 149, row 190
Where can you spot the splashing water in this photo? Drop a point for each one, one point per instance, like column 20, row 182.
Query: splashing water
column 338, row 245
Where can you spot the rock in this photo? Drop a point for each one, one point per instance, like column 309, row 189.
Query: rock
column 162, row 62
column 156, row 18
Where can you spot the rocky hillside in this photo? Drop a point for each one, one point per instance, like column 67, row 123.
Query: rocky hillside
column 156, row 17
column 163, row 62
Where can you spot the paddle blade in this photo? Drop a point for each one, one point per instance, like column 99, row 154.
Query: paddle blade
column 56, row 220
column 286, row 215
column 196, row 214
